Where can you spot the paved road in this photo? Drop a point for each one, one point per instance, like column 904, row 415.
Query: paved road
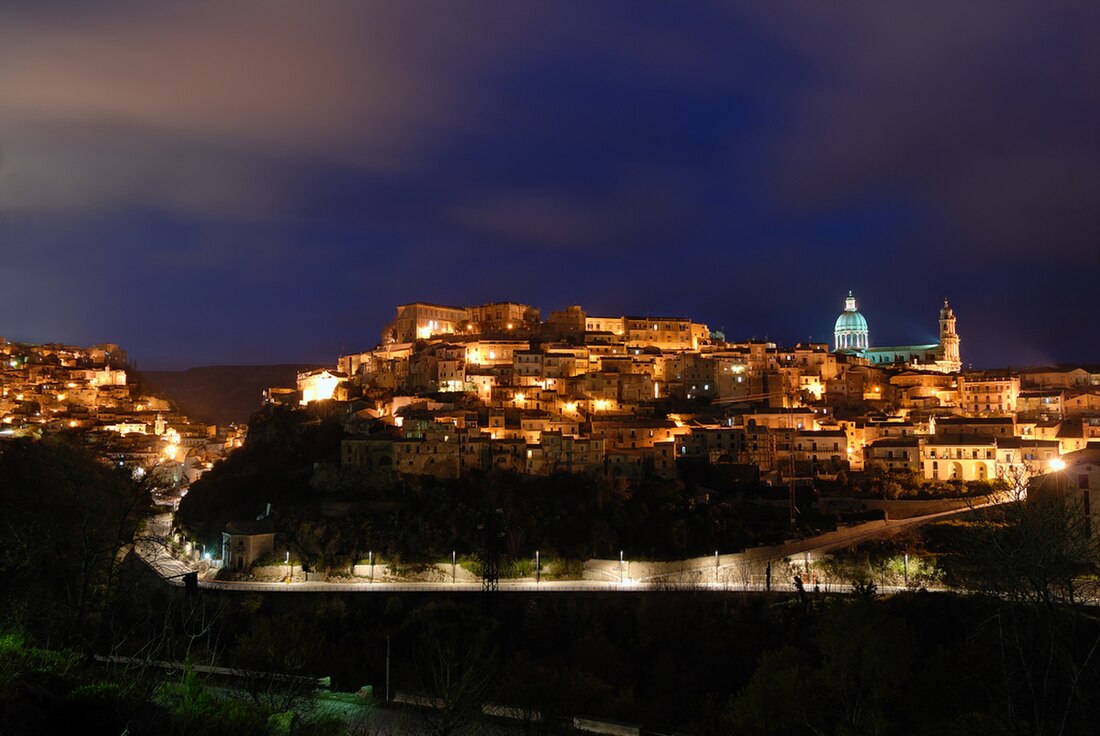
column 742, row 571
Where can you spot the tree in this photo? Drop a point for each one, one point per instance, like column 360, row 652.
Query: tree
column 455, row 664
column 1035, row 561
column 851, row 682
column 67, row 521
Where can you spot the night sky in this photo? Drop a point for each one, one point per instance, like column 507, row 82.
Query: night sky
column 260, row 182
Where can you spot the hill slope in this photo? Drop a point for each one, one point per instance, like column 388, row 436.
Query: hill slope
column 220, row 394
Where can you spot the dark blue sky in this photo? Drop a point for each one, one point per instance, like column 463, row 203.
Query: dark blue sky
column 259, row 182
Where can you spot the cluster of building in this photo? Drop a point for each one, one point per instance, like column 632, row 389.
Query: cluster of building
column 87, row 393
column 451, row 389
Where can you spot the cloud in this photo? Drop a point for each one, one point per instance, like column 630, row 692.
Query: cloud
column 636, row 214
column 193, row 106
column 984, row 112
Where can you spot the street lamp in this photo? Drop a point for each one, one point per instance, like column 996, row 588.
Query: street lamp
column 452, row 567
column 288, row 567
column 538, row 572
column 620, row 567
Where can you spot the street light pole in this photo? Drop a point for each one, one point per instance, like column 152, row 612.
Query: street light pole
column 452, row 567
column 538, row 572
column 620, row 567
column 370, row 561
column 716, row 567
column 288, row 567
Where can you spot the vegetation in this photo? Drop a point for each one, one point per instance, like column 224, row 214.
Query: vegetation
column 332, row 517
column 898, row 485
column 66, row 521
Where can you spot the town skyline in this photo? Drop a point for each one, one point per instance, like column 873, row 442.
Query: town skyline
column 911, row 330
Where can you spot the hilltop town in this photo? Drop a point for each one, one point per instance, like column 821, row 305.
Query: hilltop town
column 90, row 394
column 453, row 389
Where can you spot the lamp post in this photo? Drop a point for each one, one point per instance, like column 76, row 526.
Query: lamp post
column 288, row 567
column 453, row 560
column 538, row 572
column 716, row 567
column 620, row 567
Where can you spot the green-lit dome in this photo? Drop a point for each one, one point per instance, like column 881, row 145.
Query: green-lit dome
column 850, row 332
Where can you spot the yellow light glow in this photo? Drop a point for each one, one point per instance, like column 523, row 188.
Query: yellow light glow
column 1057, row 464
column 320, row 387
column 72, row 422
column 520, row 398
column 601, row 404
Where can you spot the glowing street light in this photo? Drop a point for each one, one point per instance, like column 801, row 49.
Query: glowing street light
column 1057, row 464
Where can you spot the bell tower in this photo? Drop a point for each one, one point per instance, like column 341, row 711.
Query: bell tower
column 949, row 339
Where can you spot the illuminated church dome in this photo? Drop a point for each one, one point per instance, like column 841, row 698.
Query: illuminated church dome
column 850, row 332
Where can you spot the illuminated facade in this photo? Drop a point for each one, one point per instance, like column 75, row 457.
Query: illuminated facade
column 502, row 316
column 851, row 335
column 850, row 331
column 421, row 320
column 319, row 385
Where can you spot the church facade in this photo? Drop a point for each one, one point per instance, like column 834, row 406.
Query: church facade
column 851, row 335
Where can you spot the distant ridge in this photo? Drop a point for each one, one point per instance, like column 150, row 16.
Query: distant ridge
column 221, row 394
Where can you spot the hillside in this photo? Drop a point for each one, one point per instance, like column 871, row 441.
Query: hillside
column 220, row 394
